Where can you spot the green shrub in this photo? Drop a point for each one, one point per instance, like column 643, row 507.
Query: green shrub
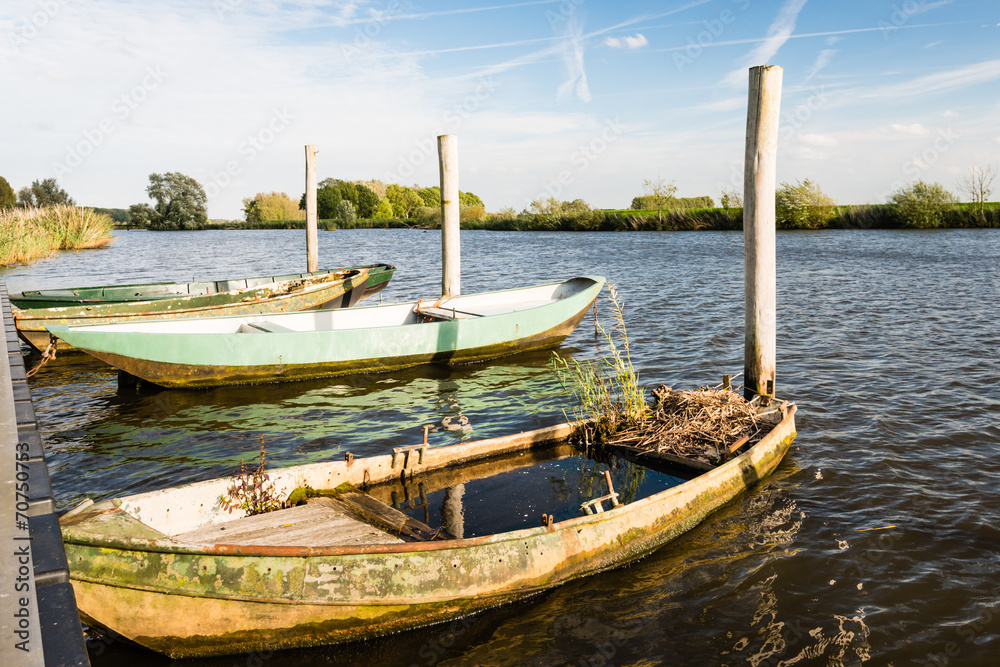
column 922, row 205
column 802, row 206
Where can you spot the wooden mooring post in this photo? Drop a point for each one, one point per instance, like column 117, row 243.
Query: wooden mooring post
column 312, row 236
column 451, row 247
column 759, row 281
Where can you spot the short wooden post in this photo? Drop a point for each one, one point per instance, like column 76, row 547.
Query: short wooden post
column 312, row 237
column 451, row 247
column 759, row 281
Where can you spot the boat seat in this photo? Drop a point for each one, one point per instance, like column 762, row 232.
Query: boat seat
column 446, row 313
column 263, row 327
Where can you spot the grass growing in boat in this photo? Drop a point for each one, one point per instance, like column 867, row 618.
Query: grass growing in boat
column 251, row 489
column 607, row 389
column 33, row 233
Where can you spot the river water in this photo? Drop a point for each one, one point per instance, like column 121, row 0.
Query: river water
column 877, row 541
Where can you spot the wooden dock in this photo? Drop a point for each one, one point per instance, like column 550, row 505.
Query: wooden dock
column 39, row 622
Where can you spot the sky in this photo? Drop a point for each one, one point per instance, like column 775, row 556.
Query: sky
column 572, row 99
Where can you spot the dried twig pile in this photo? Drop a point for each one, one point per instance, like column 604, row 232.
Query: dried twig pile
column 700, row 424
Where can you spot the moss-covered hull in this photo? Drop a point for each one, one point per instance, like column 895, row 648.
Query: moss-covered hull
column 187, row 600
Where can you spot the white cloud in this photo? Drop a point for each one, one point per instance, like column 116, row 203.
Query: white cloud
column 777, row 34
column 572, row 48
column 822, row 60
column 958, row 77
column 915, row 129
column 636, row 42
column 818, row 140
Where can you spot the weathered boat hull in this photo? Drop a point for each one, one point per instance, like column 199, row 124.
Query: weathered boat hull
column 378, row 277
column 210, row 359
column 187, row 600
column 343, row 288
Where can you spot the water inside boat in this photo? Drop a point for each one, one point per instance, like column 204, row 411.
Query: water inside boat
column 514, row 491
column 485, row 497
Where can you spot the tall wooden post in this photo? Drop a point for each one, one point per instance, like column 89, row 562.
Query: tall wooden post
column 312, row 238
column 451, row 247
column 759, row 282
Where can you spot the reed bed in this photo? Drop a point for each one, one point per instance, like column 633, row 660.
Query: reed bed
column 607, row 390
column 33, row 233
column 700, row 423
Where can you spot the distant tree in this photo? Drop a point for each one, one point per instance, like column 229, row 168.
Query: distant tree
column 802, row 206
column 543, row 206
column 660, row 191
column 469, row 199
column 575, row 206
column 404, row 200
column 731, row 198
column 977, row 185
column 367, row 201
column 143, row 215
column 7, row 196
column 271, row 206
column 43, row 193
column 251, row 211
column 384, row 210
column 431, row 196
column 375, row 185
column 471, row 213
column 180, row 201
column 119, row 215
column 921, row 204
column 345, row 212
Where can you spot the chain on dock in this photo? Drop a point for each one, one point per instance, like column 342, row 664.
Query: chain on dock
column 48, row 354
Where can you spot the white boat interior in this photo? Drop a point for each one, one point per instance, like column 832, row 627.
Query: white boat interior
column 424, row 310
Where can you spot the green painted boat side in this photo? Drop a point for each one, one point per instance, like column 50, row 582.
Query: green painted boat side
column 344, row 287
column 379, row 276
column 210, row 359
column 189, row 600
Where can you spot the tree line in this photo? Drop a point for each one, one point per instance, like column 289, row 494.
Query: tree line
column 180, row 202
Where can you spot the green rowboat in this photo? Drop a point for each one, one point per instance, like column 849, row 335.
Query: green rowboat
column 214, row 351
column 161, row 301
column 378, row 278
column 172, row 571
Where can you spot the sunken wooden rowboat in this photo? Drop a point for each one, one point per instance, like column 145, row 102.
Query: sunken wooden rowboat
column 136, row 574
column 245, row 296
column 278, row 347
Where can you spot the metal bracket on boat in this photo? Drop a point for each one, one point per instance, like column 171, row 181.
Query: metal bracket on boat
column 405, row 452
column 349, row 457
column 596, row 505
